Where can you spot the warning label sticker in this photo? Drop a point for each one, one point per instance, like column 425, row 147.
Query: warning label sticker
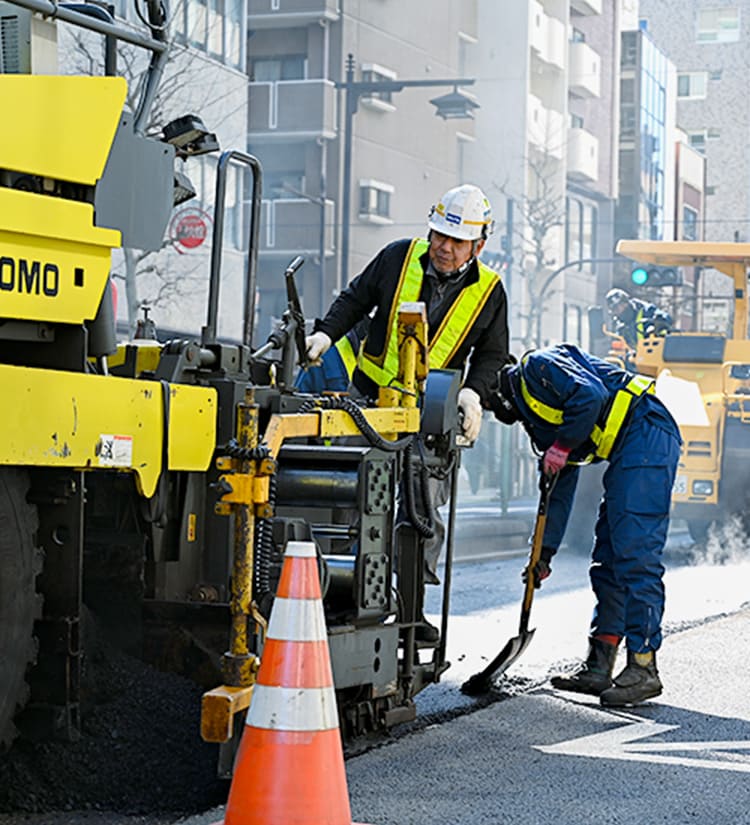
column 115, row 450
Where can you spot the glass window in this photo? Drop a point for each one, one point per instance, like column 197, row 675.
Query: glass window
column 375, row 199
column 698, row 140
column 718, row 25
column 576, row 121
column 574, row 236
column 689, row 224
column 197, row 23
column 233, row 26
column 373, row 76
column 285, row 67
column 692, row 84
column 215, row 29
column 588, row 232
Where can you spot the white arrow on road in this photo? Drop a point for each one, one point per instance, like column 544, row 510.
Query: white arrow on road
column 621, row 743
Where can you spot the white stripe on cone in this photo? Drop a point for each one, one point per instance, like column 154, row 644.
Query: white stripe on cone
column 297, row 620
column 301, row 549
column 293, row 709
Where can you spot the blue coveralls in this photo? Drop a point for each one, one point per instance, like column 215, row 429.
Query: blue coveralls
column 631, row 530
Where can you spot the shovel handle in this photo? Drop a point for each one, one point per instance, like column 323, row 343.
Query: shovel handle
column 546, row 484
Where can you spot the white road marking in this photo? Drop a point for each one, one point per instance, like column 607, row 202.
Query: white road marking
column 621, row 743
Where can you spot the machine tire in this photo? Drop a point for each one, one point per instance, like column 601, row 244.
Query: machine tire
column 20, row 563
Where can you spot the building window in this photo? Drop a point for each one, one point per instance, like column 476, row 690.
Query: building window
column 692, row 85
column 574, row 231
column 718, row 25
column 577, row 36
column 375, row 201
column 576, row 121
column 213, row 26
column 698, row 140
column 373, row 73
column 689, row 224
column 283, row 67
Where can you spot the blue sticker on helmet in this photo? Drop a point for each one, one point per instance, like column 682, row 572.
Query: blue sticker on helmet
column 451, row 218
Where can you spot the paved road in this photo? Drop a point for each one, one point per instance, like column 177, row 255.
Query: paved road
column 543, row 756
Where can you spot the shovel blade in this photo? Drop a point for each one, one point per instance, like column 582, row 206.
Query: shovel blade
column 481, row 682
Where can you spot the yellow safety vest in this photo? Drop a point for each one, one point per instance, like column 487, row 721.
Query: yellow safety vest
column 348, row 356
column 606, row 431
column 456, row 324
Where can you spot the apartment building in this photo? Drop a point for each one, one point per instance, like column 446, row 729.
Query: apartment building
column 318, row 119
column 707, row 42
column 546, row 141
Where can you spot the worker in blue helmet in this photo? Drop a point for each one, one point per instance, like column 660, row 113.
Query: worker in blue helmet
column 635, row 319
column 577, row 409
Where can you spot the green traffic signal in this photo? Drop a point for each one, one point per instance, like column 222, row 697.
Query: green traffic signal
column 639, row 276
column 656, row 276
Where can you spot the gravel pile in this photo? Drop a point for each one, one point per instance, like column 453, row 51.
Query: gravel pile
column 140, row 750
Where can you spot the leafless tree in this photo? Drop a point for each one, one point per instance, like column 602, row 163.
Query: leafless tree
column 542, row 210
column 146, row 275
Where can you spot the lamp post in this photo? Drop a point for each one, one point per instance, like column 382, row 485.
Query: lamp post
column 449, row 106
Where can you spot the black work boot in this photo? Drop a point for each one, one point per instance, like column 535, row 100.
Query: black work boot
column 595, row 674
column 636, row 683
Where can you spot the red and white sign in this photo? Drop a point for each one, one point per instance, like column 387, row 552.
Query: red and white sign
column 189, row 227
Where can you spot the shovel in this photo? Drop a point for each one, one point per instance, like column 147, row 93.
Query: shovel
column 481, row 682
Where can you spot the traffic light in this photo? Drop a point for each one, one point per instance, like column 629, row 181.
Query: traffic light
column 656, row 276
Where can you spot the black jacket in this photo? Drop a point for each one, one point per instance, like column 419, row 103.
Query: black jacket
column 485, row 347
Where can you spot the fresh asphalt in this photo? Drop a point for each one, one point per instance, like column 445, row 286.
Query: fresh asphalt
column 551, row 757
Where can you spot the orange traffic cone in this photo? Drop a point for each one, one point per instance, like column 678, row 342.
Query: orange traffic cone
column 290, row 764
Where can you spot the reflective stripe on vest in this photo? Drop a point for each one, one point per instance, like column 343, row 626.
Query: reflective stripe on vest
column 603, row 436
column 454, row 327
column 348, row 356
column 640, row 325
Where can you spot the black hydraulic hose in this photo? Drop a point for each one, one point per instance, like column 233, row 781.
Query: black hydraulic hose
column 373, row 437
column 424, row 526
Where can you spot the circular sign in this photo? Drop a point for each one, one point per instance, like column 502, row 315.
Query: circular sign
column 189, row 227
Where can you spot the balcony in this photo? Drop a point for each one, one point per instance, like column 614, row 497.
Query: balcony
column 584, row 70
column 547, row 36
column 292, row 109
column 273, row 14
column 583, row 156
column 586, row 7
column 545, row 128
column 291, row 226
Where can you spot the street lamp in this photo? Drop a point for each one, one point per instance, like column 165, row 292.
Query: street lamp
column 449, row 106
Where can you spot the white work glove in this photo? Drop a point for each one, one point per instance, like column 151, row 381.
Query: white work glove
column 317, row 345
column 468, row 403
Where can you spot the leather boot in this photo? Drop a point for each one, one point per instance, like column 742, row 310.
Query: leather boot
column 636, row 683
column 595, row 674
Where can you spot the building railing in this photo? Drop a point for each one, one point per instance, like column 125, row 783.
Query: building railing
column 283, row 108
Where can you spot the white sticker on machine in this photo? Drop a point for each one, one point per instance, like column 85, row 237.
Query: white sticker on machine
column 115, row 450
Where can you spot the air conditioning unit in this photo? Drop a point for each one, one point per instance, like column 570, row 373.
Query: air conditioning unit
column 28, row 42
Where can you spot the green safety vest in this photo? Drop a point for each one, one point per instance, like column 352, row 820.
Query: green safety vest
column 605, row 433
column 454, row 327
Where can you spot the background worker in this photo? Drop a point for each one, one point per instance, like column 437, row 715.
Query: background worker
column 333, row 372
column 575, row 408
column 635, row 319
column 466, row 314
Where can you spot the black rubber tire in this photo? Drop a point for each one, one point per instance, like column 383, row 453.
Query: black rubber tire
column 20, row 563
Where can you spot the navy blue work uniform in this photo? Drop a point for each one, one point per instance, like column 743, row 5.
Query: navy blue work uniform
column 601, row 412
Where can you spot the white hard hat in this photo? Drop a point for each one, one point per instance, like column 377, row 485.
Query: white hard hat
column 463, row 213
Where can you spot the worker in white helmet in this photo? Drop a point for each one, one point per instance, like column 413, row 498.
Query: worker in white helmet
column 466, row 313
